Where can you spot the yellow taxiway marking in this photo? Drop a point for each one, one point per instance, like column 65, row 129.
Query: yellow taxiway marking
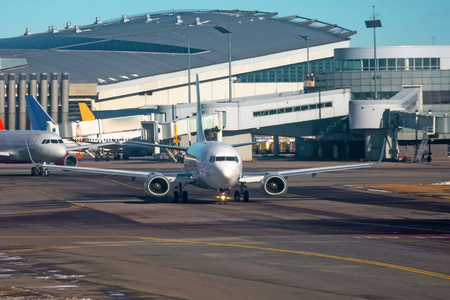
column 176, row 241
column 73, row 206
column 121, row 183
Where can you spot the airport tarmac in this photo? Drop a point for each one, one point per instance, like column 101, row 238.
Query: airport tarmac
column 82, row 236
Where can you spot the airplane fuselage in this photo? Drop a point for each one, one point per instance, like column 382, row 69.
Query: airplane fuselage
column 44, row 146
column 214, row 165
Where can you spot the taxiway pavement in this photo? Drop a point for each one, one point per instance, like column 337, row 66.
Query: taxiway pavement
column 79, row 235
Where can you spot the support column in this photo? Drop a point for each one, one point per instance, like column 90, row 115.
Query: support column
column 65, row 97
column 22, row 103
column 2, row 97
column 54, row 97
column 11, row 101
column 43, row 93
column 276, row 146
column 33, row 85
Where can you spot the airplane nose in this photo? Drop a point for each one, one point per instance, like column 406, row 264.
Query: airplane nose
column 59, row 151
column 229, row 176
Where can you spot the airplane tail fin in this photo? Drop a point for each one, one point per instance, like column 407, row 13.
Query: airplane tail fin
column 38, row 116
column 86, row 113
column 200, row 132
column 2, row 127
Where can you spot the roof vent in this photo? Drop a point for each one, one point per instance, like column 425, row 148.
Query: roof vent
column 198, row 21
column 98, row 20
column 179, row 21
column 52, row 29
column 77, row 29
column 27, row 31
column 125, row 19
column 149, row 18
column 69, row 25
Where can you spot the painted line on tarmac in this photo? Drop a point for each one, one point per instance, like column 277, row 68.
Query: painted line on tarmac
column 73, row 206
column 176, row 241
column 124, row 184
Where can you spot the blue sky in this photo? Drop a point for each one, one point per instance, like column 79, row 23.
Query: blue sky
column 405, row 22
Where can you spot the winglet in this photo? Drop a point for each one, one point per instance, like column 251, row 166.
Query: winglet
column 86, row 113
column 200, row 132
column 382, row 153
column 38, row 116
column 2, row 127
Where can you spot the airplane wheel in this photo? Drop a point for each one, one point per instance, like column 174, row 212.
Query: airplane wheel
column 34, row 171
column 176, row 197
column 107, row 158
column 184, row 197
column 246, row 196
column 97, row 158
column 237, row 196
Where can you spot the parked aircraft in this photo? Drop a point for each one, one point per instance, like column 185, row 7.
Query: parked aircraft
column 39, row 119
column 29, row 146
column 212, row 165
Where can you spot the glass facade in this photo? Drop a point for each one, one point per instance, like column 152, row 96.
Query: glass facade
column 435, row 83
column 358, row 74
column 389, row 64
column 288, row 73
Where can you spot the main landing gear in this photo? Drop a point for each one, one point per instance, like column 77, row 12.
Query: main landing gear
column 241, row 194
column 39, row 171
column 184, row 194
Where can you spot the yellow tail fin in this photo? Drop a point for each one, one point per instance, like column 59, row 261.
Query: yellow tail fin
column 86, row 113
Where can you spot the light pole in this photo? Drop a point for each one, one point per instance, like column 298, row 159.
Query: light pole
column 374, row 24
column 306, row 38
column 228, row 32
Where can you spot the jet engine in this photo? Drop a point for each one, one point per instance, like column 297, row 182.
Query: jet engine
column 69, row 160
column 274, row 185
column 157, row 186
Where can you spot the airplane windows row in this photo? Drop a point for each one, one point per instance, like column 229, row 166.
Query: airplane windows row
column 223, row 158
column 52, row 141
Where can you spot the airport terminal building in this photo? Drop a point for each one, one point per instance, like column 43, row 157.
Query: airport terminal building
column 148, row 62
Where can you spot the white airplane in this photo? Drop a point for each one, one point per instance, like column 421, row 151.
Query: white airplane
column 29, row 146
column 211, row 165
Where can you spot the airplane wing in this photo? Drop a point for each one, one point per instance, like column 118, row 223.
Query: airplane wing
column 245, row 144
column 156, row 145
column 5, row 154
column 172, row 177
column 258, row 177
column 87, row 146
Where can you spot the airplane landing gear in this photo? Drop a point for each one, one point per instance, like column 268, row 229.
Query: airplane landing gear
column 184, row 194
column 241, row 194
column 39, row 171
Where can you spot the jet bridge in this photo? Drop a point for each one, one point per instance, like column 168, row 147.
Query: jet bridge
column 381, row 118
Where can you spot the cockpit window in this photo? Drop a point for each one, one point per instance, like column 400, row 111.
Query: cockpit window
column 44, row 141
column 224, row 158
column 60, row 141
column 54, row 141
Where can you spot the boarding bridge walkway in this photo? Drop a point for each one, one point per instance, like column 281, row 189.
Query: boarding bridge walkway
column 381, row 118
